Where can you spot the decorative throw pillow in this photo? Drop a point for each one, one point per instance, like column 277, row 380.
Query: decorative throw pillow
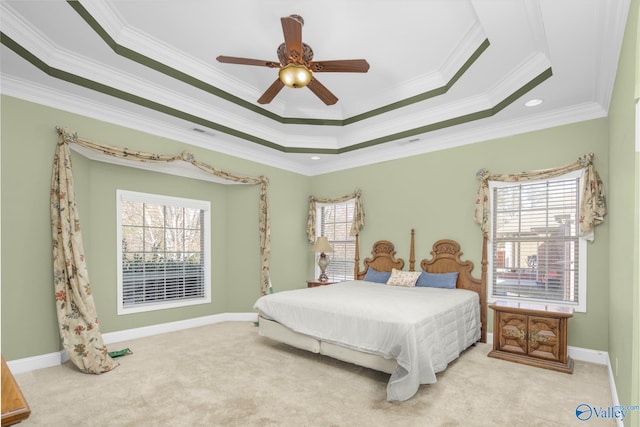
column 403, row 278
column 376, row 276
column 438, row 280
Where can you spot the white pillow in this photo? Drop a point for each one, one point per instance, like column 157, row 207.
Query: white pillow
column 403, row 278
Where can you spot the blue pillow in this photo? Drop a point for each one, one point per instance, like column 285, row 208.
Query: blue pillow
column 373, row 275
column 435, row 280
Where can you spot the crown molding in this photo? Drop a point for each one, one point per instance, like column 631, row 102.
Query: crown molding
column 248, row 151
column 612, row 34
column 128, row 87
column 109, row 18
column 286, row 143
column 466, row 48
column 471, row 44
column 527, row 70
column 66, row 101
column 536, row 26
column 32, row 40
column 70, row 67
column 471, row 134
column 137, row 41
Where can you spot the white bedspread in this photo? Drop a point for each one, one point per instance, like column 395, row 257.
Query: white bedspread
column 422, row 328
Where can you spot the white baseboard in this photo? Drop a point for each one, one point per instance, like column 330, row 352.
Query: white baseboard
column 614, row 392
column 57, row 358
column 588, row 355
column 28, row 364
column 147, row 331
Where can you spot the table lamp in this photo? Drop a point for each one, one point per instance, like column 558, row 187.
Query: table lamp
column 322, row 245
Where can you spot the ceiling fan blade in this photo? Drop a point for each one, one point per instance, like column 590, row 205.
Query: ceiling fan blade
column 271, row 92
column 247, row 61
column 292, row 30
column 322, row 92
column 340, row 66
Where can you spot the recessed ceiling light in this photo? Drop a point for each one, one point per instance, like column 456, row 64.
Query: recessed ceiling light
column 315, row 157
column 533, row 102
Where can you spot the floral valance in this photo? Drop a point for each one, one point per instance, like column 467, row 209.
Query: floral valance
column 358, row 213
column 140, row 156
column 593, row 205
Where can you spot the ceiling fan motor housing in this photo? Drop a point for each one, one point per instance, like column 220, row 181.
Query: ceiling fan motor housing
column 285, row 57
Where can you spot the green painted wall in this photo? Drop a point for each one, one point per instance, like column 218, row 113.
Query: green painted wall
column 28, row 138
column 434, row 193
column 623, row 205
column 634, row 419
column 28, row 315
column 417, row 182
column 104, row 180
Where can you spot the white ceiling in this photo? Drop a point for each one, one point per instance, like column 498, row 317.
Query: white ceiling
column 443, row 72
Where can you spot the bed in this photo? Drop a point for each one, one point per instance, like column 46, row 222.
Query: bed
column 411, row 332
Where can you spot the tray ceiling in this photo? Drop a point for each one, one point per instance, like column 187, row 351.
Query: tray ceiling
column 443, row 73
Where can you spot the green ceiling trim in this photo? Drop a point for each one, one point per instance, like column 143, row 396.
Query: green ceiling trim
column 425, row 95
column 453, row 121
column 99, row 87
column 206, row 87
column 108, row 90
column 162, row 68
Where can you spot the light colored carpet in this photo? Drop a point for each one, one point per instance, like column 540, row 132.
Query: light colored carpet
column 227, row 375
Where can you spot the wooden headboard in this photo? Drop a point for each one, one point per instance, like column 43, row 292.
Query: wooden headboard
column 382, row 259
column 445, row 258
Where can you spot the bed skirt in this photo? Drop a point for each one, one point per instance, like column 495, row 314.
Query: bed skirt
column 275, row 331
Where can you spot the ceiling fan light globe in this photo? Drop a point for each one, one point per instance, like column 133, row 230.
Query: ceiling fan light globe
column 295, row 76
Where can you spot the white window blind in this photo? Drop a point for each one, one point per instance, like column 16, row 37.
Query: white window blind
column 334, row 222
column 163, row 253
column 535, row 244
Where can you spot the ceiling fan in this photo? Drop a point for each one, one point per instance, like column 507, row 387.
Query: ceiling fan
column 296, row 65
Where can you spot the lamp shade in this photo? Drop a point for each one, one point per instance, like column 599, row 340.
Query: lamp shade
column 322, row 245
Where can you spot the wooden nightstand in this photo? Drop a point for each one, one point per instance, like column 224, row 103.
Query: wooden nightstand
column 14, row 405
column 315, row 283
column 533, row 334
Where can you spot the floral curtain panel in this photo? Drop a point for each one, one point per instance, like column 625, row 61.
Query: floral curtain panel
column 77, row 317
column 75, row 307
column 358, row 214
column 593, row 204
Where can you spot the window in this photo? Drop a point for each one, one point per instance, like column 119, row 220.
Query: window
column 163, row 252
column 536, row 254
column 334, row 222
